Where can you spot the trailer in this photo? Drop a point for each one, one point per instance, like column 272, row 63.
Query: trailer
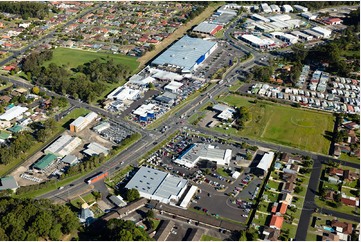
column 97, row 177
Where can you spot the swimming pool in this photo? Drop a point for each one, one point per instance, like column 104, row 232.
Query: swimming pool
column 328, row 229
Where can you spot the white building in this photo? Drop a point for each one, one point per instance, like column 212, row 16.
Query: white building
column 266, row 162
column 275, row 8
column 81, row 122
column 14, row 112
column 309, row 16
column 326, row 33
column 173, row 87
column 287, row 8
column 124, row 93
column 266, row 8
column 300, row 8
column 96, row 149
column 258, row 17
column 256, row 41
column 63, row 146
column 158, row 185
column 198, row 151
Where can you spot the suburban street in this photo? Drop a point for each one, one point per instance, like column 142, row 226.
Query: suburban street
column 150, row 138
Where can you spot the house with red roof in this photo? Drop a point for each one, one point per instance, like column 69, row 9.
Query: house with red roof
column 342, row 227
column 276, row 222
column 333, row 21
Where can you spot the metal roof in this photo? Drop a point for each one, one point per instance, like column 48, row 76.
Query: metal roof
column 266, row 161
column 185, row 52
column 45, row 161
column 8, row 182
column 13, row 113
column 155, row 182
column 205, row 27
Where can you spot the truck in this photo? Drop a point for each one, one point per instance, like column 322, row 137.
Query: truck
column 97, row 177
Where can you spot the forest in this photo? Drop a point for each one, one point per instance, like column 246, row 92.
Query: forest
column 25, row 9
column 27, row 219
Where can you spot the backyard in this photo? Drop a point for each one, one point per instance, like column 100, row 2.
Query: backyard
column 282, row 124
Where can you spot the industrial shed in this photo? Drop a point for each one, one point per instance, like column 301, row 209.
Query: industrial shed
column 45, row 162
column 187, row 54
column 173, row 87
column 96, row 149
column 264, row 164
column 158, row 185
column 198, row 151
column 63, row 146
column 207, row 28
column 124, row 93
column 81, row 122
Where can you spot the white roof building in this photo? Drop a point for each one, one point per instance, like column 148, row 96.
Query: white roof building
column 158, row 185
column 323, row 31
column 188, row 197
column 266, row 8
column 198, row 151
column 255, row 41
column 142, row 81
column 275, row 8
column 280, row 17
column 258, row 17
column 144, row 109
column 266, row 161
column 287, row 8
column 173, row 86
column 13, row 112
column 308, row 15
column 207, row 28
column 300, row 8
column 96, row 149
column 63, row 146
column 124, row 93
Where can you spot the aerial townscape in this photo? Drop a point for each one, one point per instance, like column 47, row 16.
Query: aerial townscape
column 180, row 120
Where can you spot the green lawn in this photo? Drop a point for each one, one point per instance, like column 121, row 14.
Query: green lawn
column 273, row 184
column 209, row 238
column 352, row 159
column 291, row 227
column 2, row 87
column 261, row 220
column 341, row 209
column 222, row 172
column 296, row 127
column 235, row 86
column 74, row 58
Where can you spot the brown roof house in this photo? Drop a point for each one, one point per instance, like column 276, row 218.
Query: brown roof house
column 342, row 227
column 271, row 234
column 288, row 187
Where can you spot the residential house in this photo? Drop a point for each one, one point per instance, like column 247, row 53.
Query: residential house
column 349, row 175
column 329, row 195
column 276, row 222
column 330, row 237
column 349, row 201
column 342, row 227
column 286, row 198
column 288, row 177
column 335, row 172
column 271, row 234
column 288, row 187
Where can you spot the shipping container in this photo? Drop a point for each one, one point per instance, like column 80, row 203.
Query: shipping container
column 97, row 177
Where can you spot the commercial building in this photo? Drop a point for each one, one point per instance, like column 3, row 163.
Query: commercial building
column 8, row 182
column 14, row 112
column 173, row 87
column 264, row 164
column 287, row 8
column 101, row 127
column 167, row 98
column 309, row 16
column 302, row 36
column 266, row 8
column 258, row 17
column 70, row 160
column 326, row 33
column 196, row 152
column 63, row 146
column 313, row 33
column 300, row 8
column 81, row 122
column 225, row 112
column 186, row 54
column 158, row 185
column 188, row 197
column 124, row 93
column 96, row 149
column 275, row 8
column 333, row 21
column 145, row 111
column 45, row 162
column 256, row 41
column 207, row 28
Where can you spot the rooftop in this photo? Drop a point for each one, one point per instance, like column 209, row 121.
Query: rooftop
column 184, row 53
column 8, row 182
column 45, row 161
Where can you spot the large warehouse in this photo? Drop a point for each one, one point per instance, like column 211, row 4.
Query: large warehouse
column 207, row 28
column 124, row 93
column 13, row 112
column 158, row 185
column 81, row 122
column 187, row 54
column 197, row 152
column 63, row 146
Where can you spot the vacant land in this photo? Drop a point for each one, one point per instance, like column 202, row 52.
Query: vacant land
column 281, row 124
column 73, row 58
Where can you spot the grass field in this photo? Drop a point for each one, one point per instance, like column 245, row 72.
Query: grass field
column 352, row 159
column 303, row 129
column 74, row 58
column 209, row 238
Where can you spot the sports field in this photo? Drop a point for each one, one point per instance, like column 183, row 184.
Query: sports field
column 74, row 58
column 304, row 129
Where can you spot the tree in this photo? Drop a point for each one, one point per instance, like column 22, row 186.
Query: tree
column 248, row 156
column 298, row 189
column 132, row 194
column 150, row 214
column 207, row 171
column 97, row 195
column 252, row 234
column 35, row 90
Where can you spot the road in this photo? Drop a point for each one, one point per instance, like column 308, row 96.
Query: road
column 133, row 153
